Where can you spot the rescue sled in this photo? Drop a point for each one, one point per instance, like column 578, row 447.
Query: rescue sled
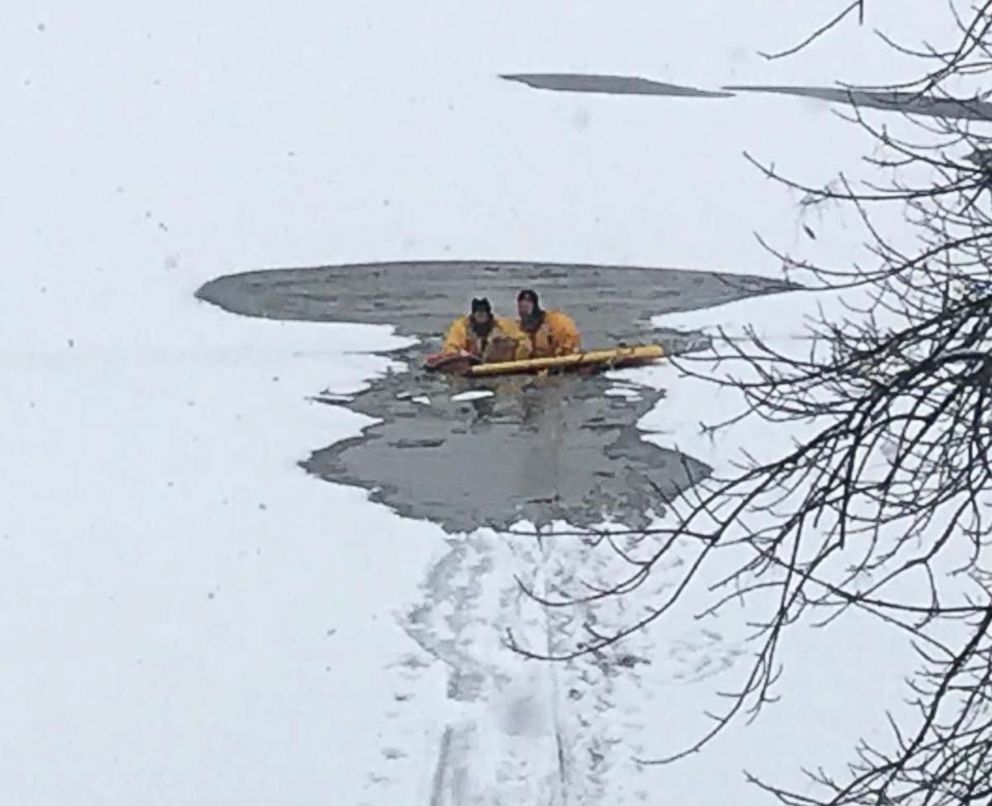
column 588, row 361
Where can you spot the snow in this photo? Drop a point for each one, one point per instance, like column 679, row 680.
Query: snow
column 185, row 616
column 838, row 682
column 477, row 394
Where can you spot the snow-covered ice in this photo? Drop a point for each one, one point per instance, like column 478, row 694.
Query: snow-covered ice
column 477, row 394
column 185, row 615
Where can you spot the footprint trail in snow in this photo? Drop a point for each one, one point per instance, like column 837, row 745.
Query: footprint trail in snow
column 519, row 730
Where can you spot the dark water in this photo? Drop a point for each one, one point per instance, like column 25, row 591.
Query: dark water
column 905, row 102
column 557, row 448
column 537, row 449
column 613, row 85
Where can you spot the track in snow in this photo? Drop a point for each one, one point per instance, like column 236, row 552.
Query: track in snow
column 521, row 731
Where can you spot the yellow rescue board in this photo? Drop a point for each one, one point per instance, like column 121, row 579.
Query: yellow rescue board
column 615, row 357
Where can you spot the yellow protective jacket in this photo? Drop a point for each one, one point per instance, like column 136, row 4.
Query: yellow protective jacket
column 557, row 335
column 505, row 342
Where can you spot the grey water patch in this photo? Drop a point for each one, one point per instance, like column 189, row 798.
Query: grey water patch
column 890, row 101
column 420, row 298
column 904, row 102
column 609, row 85
column 540, row 449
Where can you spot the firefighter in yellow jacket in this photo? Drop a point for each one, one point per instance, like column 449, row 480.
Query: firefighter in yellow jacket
column 490, row 338
column 551, row 333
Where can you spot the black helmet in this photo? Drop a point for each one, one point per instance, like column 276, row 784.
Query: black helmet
column 482, row 304
column 530, row 294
